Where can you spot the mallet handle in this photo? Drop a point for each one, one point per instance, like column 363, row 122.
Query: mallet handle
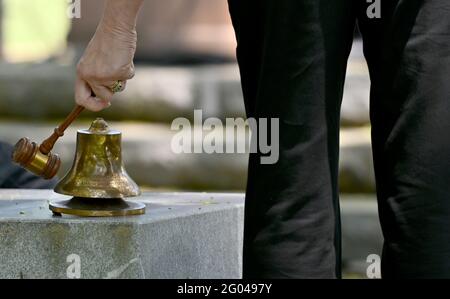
column 47, row 145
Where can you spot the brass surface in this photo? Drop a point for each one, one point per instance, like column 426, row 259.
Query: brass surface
column 97, row 170
column 38, row 164
column 94, row 207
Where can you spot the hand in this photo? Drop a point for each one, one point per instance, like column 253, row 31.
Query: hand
column 107, row 58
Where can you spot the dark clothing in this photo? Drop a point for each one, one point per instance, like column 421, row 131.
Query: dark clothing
column 13, row 176
column 292, row 56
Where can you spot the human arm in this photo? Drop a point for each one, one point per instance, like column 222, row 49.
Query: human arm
column 109, row 55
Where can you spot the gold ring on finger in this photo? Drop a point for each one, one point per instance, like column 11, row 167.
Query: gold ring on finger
column 118, row 86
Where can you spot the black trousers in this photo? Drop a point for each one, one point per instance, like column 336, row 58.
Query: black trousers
column 292, row 56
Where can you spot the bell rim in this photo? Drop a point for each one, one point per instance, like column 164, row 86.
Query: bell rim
column 81, row 195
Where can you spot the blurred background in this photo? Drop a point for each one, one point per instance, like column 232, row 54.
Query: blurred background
column 185, row 61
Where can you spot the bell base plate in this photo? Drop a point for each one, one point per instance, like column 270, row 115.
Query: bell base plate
column 97, row 207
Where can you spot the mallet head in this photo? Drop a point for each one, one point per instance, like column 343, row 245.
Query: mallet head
column 28, row 155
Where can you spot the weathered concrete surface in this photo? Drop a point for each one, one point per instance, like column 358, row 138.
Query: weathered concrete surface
column 148, row 157
column 156, row 93
column 182, row 235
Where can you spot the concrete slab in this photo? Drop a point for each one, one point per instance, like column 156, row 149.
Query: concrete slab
column 182, row 235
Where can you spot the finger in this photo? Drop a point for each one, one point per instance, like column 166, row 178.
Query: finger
column 84, row 97
column 128, row 73
column 102, row 92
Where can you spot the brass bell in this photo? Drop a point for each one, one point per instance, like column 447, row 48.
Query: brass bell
column 97, row 179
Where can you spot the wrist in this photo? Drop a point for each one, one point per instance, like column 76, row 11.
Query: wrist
column 121, row 15
column 116, row 30
column 118, row 25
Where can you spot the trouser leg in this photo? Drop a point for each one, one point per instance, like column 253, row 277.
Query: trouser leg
column 292, row 56
column 410, row 113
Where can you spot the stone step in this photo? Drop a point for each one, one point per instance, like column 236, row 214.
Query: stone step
column 157, row 93
column 361, row 232
column 151, row 162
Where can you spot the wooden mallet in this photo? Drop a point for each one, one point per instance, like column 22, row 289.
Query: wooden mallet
column 39, row 159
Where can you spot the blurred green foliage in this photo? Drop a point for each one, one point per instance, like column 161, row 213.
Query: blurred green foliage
column 34, row 29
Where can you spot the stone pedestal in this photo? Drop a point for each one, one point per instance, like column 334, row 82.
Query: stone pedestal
column 182, row 235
